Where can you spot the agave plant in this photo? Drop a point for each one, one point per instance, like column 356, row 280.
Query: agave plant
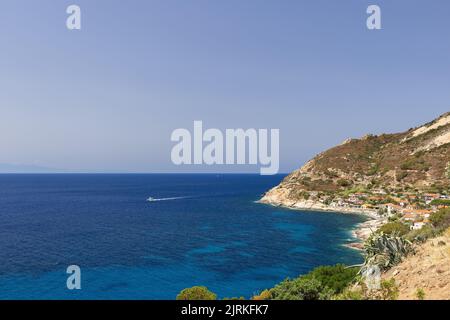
column 385, row 251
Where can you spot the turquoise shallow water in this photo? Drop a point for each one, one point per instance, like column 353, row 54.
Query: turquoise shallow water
column 128, row 248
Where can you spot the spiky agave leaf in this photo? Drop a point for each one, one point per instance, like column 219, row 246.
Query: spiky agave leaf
column 385, row 251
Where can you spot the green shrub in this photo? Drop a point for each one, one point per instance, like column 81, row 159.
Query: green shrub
column 322, row 283
column 415, row 164
column 331, row 174
column 401, row 175
column 305, row 195
column 373, row 170
column 196, row 293
column 349, row 294
column 336, row 278
column 421, row 235
column 343, row 183
column 389, row 290
column 439, row 222
column 441, row 219
column 440, row 202
column 301, row 289
column 407, row 165
column 420, row 294
column 396, row 227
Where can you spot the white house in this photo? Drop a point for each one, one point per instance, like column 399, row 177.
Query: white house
column 418, row 225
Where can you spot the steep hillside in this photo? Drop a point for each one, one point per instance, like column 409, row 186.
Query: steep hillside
column 417, row 160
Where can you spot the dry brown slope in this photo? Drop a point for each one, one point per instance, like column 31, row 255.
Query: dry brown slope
column 428, row 269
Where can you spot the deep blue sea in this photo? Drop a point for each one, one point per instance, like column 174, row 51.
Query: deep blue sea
column 213, row 234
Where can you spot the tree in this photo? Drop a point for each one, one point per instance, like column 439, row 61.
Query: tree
column 196, row 293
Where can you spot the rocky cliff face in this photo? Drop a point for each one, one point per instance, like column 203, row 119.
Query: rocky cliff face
column 418, row 159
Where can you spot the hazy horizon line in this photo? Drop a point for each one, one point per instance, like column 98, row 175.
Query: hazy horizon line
column 131, row 173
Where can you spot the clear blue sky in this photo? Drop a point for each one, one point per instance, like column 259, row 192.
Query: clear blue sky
column 106, row 98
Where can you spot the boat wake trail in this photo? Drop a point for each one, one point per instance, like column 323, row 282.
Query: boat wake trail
column 151, row 199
